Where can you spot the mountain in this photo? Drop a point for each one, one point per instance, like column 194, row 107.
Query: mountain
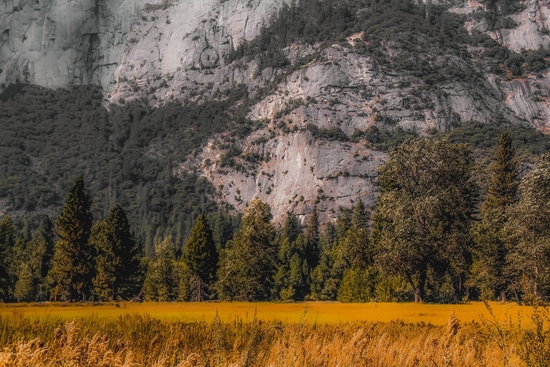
column 292, row 102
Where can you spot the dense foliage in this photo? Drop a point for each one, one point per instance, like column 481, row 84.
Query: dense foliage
column 432, row 239
column 127, row 155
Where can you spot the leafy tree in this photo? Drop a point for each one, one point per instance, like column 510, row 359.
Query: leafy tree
column 528, row 230
column 491, row 251
column 424, row 211
column 72, row 264
column 247, row 267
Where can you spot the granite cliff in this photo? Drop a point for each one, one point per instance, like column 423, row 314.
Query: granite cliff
column 312, row 118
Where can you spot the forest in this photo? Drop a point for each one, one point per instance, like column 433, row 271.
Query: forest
column 445, row 229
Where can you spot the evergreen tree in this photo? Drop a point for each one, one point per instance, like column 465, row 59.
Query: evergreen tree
column 117, row 257
column 503, row 185
column 325, row 278
column 6, row 246
column 357, row 285
column 292, row 277
column 291, row 229
column 24, row 287
column 200, row 256
column 72, row 264
column 162, row 282
column 46, row 239
column 312, row 240
column 491, row 251
column 355, row 251
column 247, row 267
column 200, row 253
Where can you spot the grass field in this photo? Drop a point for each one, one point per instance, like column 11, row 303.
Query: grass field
column 315, row 312
column 273, row 334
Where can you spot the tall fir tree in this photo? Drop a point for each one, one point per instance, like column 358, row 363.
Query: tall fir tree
column 247, row 267
column 312, row 240
column 503, row 184
column 161, row 282
column 201, row 257
column 72, row 264
column 24, row 286
column 117, row 257
column 491, row 250
column 6, row 246
column 46, row 238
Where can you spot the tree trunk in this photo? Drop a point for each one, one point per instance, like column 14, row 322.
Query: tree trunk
column 418, row 296
column 419, row 292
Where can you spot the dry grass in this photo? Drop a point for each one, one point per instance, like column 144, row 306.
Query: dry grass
column 317, row 312
column 140, row 340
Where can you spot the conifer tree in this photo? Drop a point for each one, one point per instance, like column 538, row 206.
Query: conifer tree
column 312, row 240
column 72, row 264
column 491, row 251
column 200, row 253
column 325, row 278
column 161, row 282
column 24, row 287
column 503, row 184
column 246, row 270
column 117, row 267
column 46, row 238
column 6, row 245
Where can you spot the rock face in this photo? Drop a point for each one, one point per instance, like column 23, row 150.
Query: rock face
column 296, row 173
column 59, row 43
column 176, row 50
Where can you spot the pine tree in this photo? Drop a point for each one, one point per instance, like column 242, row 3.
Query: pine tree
column 325, row 278
column 312, row 240
column 200, row 254
column 24, row 287
column 162, row 282
column 6, row 245
column 246, row 270
column 117, row 267
column 491, row 251
column 46, row 238
column 72, row 264
column 503, row 184
column 357, row 286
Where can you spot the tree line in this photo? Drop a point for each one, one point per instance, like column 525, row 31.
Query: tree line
column 444, row 229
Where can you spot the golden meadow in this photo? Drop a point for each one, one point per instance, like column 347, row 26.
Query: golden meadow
column 273, row 334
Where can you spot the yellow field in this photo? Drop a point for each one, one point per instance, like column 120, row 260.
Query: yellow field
column 314, row 312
